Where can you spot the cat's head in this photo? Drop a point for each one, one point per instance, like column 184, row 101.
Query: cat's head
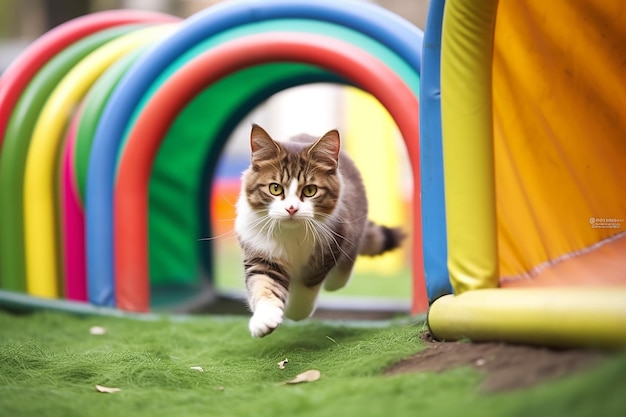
column 295, row 180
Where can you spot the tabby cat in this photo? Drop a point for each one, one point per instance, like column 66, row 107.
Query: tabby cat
column 301, row 222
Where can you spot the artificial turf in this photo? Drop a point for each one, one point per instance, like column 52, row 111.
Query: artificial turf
column 50, row 364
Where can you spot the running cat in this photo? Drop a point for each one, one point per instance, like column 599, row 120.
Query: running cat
column 301, row 222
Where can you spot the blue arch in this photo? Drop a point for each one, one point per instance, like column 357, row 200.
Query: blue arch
column 431, row 159
column 391, row 30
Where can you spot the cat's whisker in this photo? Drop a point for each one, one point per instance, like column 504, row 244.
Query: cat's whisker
column 267, row 226
column 258, row 217
column 327, row 239
column 263, row 223
column 272, row 224
column 226, row 219
column 227, row 235
column 230, row 203
column 330, row 230
column 307, row 234
column 306, row 231
column 319, row 236
column 330, row 235
column 339, row 221
column 311, row 227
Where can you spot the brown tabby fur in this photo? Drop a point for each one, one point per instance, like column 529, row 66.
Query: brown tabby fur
column 293, row 241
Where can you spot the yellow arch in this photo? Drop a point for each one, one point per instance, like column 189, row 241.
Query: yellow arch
column 466, row 57
column 370, row 130
column 40, row 213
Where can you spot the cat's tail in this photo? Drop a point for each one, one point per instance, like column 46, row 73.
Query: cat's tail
column 379, row 239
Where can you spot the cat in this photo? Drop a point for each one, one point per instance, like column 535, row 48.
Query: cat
column 301, row 221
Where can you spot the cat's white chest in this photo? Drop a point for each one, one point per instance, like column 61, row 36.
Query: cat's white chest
column 292, row 245
column 297, row 248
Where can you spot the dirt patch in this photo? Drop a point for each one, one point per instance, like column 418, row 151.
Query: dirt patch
column 506, row 367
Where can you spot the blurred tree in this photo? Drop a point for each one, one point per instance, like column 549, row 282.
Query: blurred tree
column 7, row 18
column 59, row 11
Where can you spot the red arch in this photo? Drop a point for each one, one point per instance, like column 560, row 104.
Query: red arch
column 25, row 67
column 131, row 190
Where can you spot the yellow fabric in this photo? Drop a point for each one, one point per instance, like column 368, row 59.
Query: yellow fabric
column 40, row 213
column 467, row 143
column 559, row 97
column 370, row 141
column 563, row 317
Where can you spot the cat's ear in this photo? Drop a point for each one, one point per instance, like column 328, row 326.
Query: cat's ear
column 263, row 147
column 326, row 149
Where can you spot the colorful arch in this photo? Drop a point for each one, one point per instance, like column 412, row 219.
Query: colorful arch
column 16, row 142
column 22, row 89
column 118, row 92
column 137, row 81
column 39, row 191
column 261, row 81
column 130, row 202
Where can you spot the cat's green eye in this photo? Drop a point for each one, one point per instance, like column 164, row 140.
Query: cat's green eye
column 309, row 190
column 276, row 189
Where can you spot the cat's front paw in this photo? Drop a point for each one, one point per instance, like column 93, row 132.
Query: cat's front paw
column 265, row 319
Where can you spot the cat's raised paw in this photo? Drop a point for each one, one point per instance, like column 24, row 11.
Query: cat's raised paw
column 266, row 318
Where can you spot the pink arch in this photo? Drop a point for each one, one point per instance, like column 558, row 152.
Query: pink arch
column 73, row 220
column 131, row 191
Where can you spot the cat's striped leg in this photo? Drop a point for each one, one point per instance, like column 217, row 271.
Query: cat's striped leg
column 340, row 274
column 267, row 286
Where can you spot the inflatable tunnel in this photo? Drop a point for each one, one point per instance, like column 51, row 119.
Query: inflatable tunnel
column 533, row 123
column 112, row 125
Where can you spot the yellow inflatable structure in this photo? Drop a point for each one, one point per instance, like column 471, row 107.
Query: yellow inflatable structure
column 533, row 104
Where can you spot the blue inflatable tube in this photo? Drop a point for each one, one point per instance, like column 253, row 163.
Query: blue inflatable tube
column 431, row 159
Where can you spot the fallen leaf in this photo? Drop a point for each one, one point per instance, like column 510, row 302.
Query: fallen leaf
column 307, row 376
column 332, row 340
column 97, row 330
column 197, row 368
column 281, row 364
column 107, row 390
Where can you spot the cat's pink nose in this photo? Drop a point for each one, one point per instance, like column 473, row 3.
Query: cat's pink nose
column 292, row 210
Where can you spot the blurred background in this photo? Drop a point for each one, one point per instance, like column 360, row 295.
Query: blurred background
column 369, row 135
column 21, row 21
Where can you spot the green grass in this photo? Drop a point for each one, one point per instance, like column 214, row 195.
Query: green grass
column 50, row 363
